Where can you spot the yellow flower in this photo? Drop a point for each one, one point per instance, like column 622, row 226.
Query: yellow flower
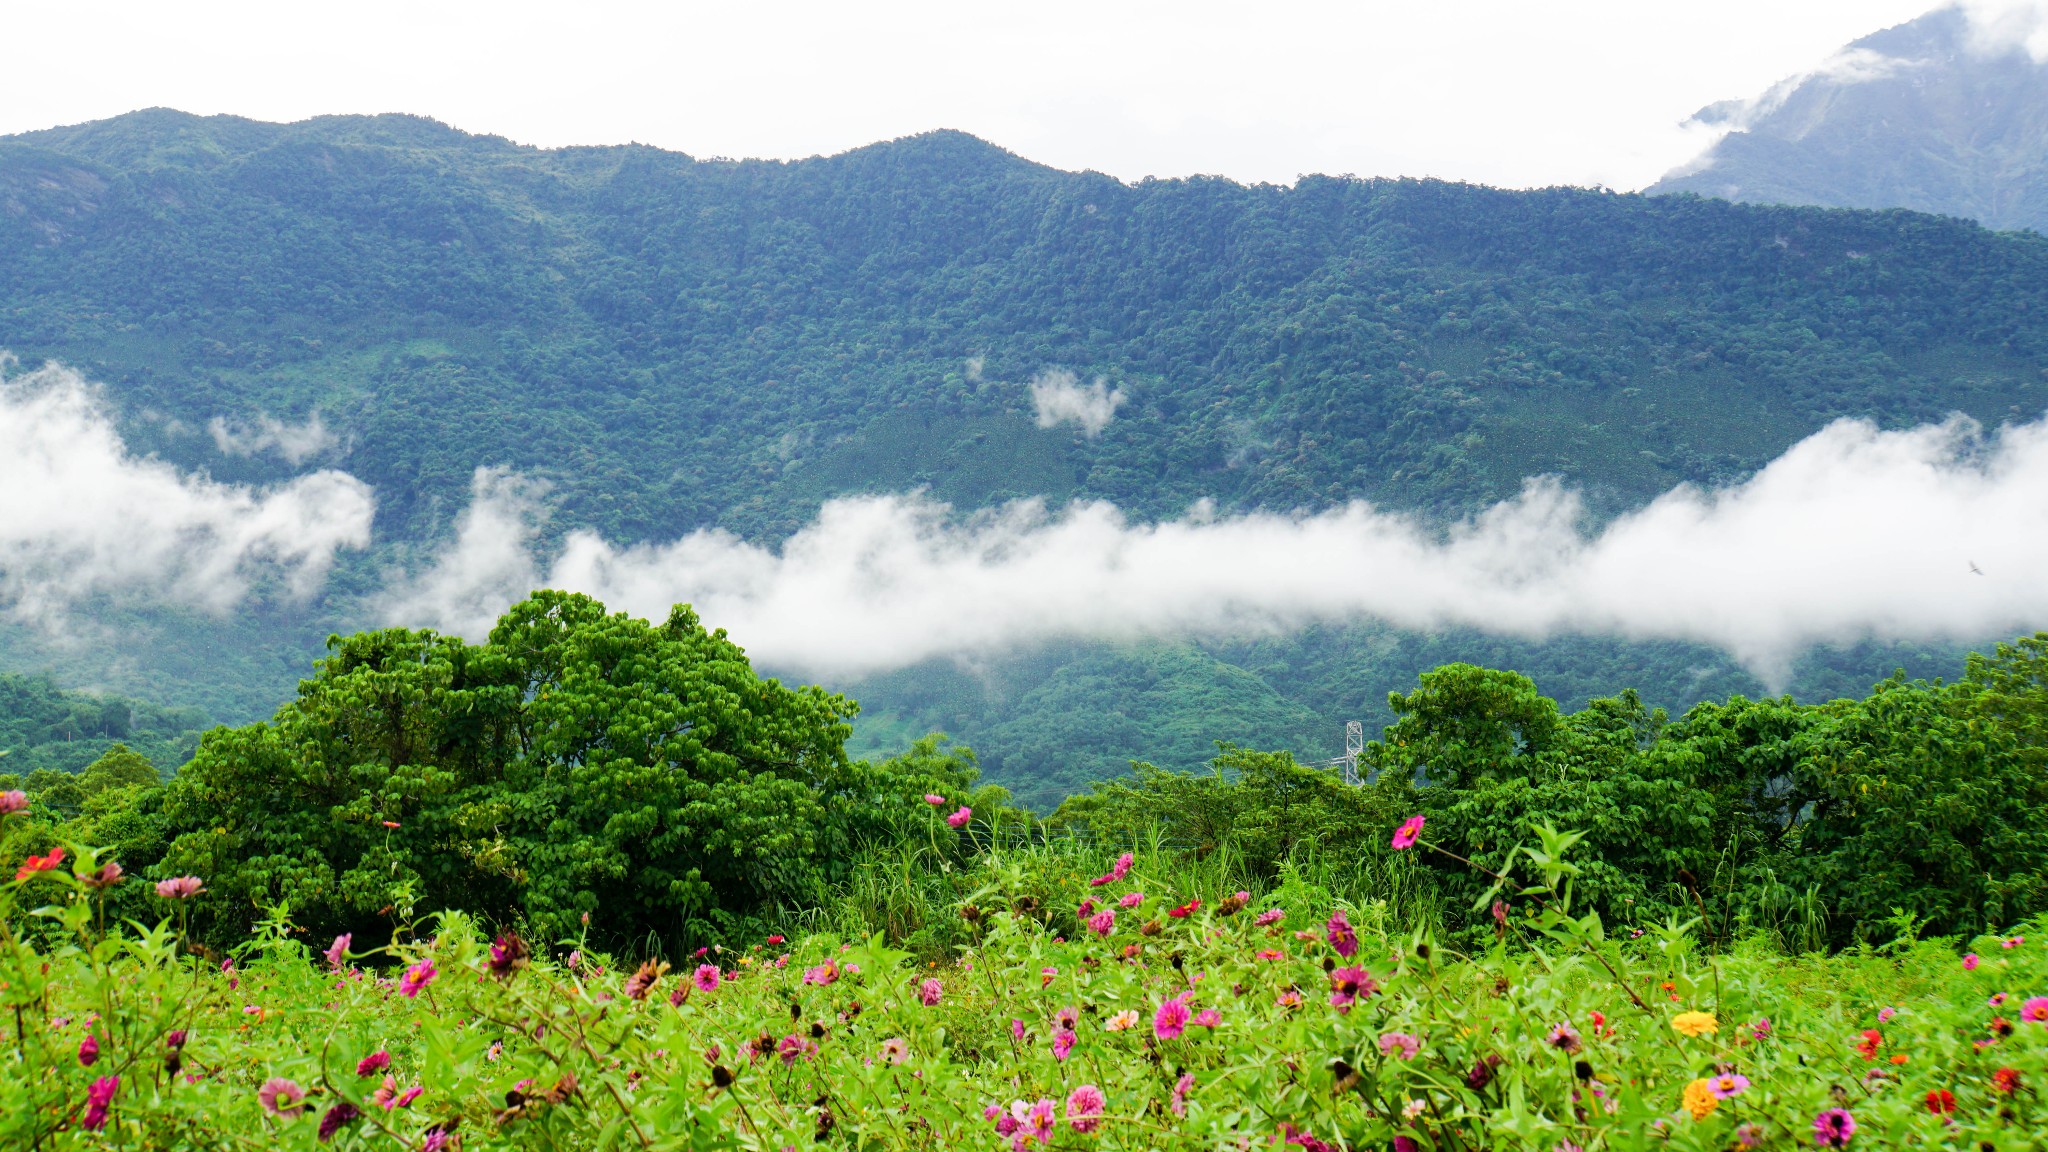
column 1122, row 1020
column 1699, row 1095
column 1695, row 1023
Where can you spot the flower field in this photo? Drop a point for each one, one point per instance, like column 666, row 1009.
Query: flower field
column 1145, row 1015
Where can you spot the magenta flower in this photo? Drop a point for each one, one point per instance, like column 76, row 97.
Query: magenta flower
column 13, row 800
column 1016, row 1028
column 934, row 799
column 88, row 1051
column 706, row 977
column 1269, row 916
column 416, row 978
column 374, row 1063
column 1086, row 909
column 406, row 1097
column 1833, row 1128
column 1349, row 985
column 1103, row 922
column 437, row 1138
column 179, row 888
column 1046, row 975
column 508, row 955
column 1131, row 899
column 2035, row 1009
column 1884, row 1015
column 1067, row 1017
column 1040, row 1122
column 338, row 951
column 1762, row 1028
column 1405, row 836
column 2012, row 942
column 794, row 1047
column 960, row 817
column 823, row 974
column 1342, row 938
column 1084, row 1108
column 1208, row 1018
column 1969, row 965
column 279, row 1096
column 1181, row 1088
column 336, row 1118
column 1727, row 1084
column 1063, row 1043
column 1170, row 1020
column 1402, row 1043
column 928, row 993
column 1122, row 867
column 98, row 1098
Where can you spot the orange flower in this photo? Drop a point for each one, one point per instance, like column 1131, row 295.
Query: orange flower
column 1899, row 1058
column 1700, row 1099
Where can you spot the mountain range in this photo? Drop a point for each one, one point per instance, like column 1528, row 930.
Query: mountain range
column 674, row 343
column 1945, row 114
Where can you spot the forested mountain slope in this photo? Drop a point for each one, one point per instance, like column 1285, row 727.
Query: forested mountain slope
column 675, row 343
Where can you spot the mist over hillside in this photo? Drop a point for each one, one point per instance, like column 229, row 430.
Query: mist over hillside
column 640, row 346
column 1946, row 114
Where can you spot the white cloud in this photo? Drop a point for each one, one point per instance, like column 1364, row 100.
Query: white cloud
column 296, row 443
column 1998, row 26
column 81, row 517
column 1058, row 398
column 1854, row 532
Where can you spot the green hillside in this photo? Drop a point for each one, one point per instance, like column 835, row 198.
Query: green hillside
column 675, row 343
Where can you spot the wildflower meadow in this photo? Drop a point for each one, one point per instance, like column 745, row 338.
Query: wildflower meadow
column 1145, row 1010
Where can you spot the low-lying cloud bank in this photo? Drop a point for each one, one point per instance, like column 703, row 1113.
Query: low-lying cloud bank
column 1853, row 533
column 80, row 517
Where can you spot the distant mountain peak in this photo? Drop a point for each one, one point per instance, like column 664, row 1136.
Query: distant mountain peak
column 1947, row 113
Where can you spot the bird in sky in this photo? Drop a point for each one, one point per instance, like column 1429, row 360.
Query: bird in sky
column 1974, row 568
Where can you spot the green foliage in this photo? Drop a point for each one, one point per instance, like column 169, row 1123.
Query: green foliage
column 1237, row 1023
column 576, row 761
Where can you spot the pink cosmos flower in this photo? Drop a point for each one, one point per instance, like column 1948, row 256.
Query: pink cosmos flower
column 1727, row 1084
column 1762, row 1028
column 1063, row 1043
column 1969, row 965
column 935, row 800
column 960, row 817
column 97, row 1099
column 12, row 801
column 1342, row 938
column 1269, row 916
column 338, row 951
column 706, row 977
column 417, row 978
column 1348, row 985
column 1833, row 1128
column 2012, row 942
column 895, row 1050
column 406, row 1097
column 386, row 1094
column 1039, row 1122
column 1288, row 998
column 1067, row 1017
column 1084, row 1108
column 374, row 1063
column 279, row 1096
column 928, row 993
column 1406, row 834
column 823, row 974
column 1884, row 1015
column 793, row 1048
column 1997, row 998
column 1208, row 1018
column 1170, row 1020
column 1402, row 1043
column 1016, row 1028
column 1131, row 899
column 1046, row 975
column 179, row 888
column 1103, row 922
column 88, row 1051
column 2035, row 1009
column 1181, row 1088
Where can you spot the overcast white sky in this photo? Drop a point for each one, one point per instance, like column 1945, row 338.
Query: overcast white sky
column 1509, row 92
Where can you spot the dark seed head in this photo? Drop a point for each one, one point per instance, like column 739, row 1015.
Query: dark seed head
column 1583, row 1070
column 722, row 1076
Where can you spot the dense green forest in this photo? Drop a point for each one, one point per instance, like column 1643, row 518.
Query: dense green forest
column 584, row 763
column 673, row 343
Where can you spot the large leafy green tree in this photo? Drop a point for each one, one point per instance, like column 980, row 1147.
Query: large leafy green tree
column 577, row 762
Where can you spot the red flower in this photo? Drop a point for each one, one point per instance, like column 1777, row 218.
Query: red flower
column 37, row 864
column 1181, row 913
column 2006, row 1080
column 1867, row 1047
column 1941, row 1102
